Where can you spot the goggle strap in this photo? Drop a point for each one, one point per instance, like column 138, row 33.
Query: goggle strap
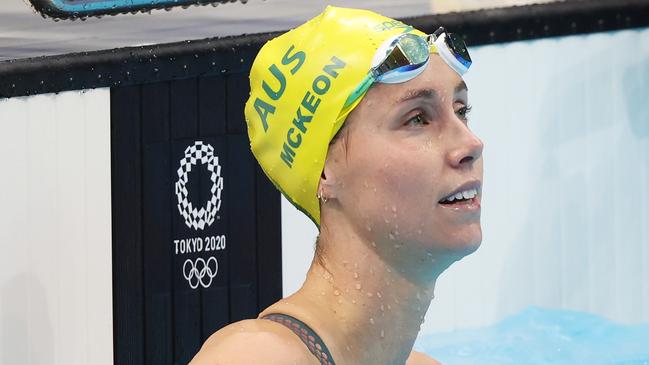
column 361, row 89
column 438, row 33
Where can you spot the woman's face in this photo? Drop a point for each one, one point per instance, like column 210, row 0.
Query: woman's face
column 409, row 146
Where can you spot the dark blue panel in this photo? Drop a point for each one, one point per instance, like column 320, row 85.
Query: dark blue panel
column 156, row 225
column 126, row 192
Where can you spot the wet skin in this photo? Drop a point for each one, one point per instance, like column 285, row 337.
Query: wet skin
column 384, row 235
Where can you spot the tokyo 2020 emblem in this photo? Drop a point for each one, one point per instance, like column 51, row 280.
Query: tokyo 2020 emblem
column 199, row 154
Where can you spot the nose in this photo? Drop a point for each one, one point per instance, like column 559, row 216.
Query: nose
column 467, row 150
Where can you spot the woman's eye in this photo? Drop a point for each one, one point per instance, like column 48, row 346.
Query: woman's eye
column 463, row 112
column 417, row 120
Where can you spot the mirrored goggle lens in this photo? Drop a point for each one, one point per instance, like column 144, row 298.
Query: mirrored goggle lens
column 409, row 50
column 456, row 44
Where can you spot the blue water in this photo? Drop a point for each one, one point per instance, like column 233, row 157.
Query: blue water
column 538, row 336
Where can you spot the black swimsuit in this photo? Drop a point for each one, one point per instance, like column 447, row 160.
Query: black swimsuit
column 306, row 334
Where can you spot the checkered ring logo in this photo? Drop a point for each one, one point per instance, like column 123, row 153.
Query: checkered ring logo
column 203, row 154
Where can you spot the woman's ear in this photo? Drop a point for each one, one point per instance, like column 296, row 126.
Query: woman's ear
column 335, row 162
column 327, row 187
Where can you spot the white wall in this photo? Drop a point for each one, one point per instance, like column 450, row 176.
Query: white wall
column 565, row 212
column 55, row 229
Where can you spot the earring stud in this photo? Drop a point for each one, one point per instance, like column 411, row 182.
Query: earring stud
column 321, row 197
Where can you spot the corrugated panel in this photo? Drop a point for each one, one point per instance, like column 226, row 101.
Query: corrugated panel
column 162, row 314
column 55, row 229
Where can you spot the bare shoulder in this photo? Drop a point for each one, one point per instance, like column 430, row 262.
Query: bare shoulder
column 419, row 358
column 253, row 341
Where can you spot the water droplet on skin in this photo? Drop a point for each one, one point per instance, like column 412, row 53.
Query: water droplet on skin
column 378, row 294
column 353, row 301
column 369, row 229
column 388, row 269
column 397, row 246
column 382, row 334
column 389, row 307
column 386, row 220
column 373, row 244
column 391, row 235
column 369, row 294
column 394, row 208
column 358, row 286
column 372, row 320
column 340, row 301
column 355, row 275
column 336, row 292
column 322, row 293
column 382, row 308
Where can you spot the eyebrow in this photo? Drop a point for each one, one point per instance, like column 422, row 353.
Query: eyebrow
column 428, row 93
column 417, row 94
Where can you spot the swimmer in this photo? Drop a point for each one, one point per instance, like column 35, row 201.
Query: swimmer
column 361, row 122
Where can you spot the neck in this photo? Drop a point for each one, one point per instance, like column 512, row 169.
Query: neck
column 375, row 307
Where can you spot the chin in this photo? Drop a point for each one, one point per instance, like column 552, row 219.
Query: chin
column 461, row 244
column 471, row 247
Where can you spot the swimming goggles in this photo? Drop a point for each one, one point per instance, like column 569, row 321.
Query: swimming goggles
column 406, row 55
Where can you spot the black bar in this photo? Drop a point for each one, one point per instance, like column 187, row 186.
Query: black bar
column 126, row 191
column 242, row 230
column 212, row 105
column 269, row 241
column 156, row 225
column 238, row 91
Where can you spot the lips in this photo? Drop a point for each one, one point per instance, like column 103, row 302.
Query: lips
column 469, row 185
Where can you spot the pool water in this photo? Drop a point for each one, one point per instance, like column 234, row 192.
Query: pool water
column 538, row 336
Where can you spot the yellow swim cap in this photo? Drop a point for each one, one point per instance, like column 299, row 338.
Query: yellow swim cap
column 299, row 83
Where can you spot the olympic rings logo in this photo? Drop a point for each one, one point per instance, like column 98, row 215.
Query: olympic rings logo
column 203, row 154
column 200, row 272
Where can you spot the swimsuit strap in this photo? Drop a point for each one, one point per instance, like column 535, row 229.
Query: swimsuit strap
column 306, row 334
